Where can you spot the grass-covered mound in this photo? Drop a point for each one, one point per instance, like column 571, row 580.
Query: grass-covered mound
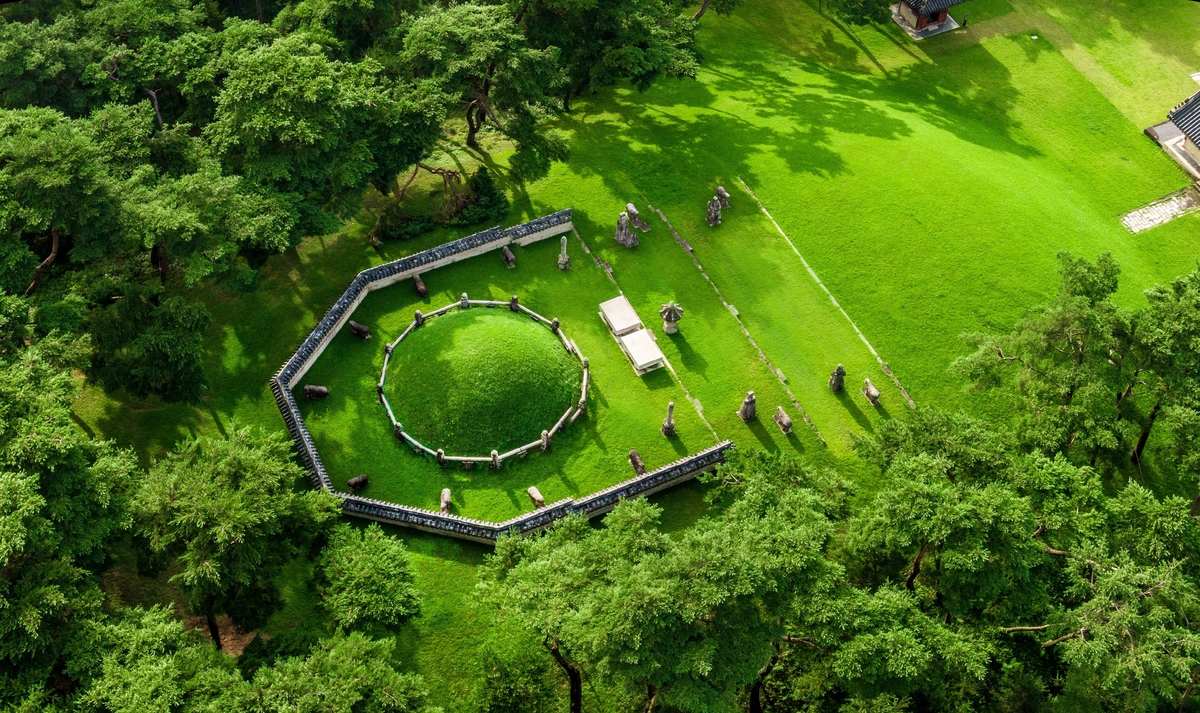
column 469, row 382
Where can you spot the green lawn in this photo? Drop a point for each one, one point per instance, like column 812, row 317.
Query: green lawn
column 928, row 184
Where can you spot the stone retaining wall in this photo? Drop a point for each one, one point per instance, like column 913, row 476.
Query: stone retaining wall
column 453, row 525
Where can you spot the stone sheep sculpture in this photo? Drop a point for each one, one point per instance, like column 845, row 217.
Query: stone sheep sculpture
column 749, row 408
column 635, row 460
column 419, row 284
column 871, row 392
column 783, row 421
column 837, row 379
column 624, row 235
column 361, row 331
column 536, row 496
column 358, row 482
column 636, row 219
column 723, row 196
column 316, row 392
column 445, row 506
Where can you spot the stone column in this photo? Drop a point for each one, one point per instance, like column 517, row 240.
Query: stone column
column 668, row 427
column 564, row 261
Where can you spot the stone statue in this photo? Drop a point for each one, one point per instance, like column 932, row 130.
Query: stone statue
column 783, row 421
column 358, row 482
column 361, row 331
column 464, row 304
column 714, row 212
column 509, row 259
column 420, row 285
column 564, row 261
column 671, row 313
column 624, row 235
column 536, row 496
column 514, row 303
column 440, row 457
column 545, row 441
column 316, row 392
column 636, row 219
column 837, row 379
column 445, row 508
column 871, row 392
column 723, row 196
column 635, row 460
column 418, row 318
column 749, row 409
column 668, row 427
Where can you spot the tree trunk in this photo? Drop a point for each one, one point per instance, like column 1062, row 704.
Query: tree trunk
column 472, row 125
column 703, row 9
column 1196, row 507
column 567, row 100
column 1136, row 456
column 756, row 687
column 164, row 262
column 212, row 627
column 154, row 100
column 651, row 696
column 37, row 274
column 916, row 568
column 574, row 679
column 258, row 9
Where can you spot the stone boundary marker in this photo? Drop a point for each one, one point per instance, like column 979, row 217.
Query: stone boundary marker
column 442, row 523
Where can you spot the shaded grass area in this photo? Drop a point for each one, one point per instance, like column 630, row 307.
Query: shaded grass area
column 928, row 184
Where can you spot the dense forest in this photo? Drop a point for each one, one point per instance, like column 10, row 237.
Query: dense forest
column 1044, row 558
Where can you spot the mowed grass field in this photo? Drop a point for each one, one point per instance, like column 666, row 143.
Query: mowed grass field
column 928, row 185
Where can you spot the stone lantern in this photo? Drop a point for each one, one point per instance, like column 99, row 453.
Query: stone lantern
column 671, row 314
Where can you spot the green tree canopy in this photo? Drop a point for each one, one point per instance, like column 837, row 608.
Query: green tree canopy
column 367, row 579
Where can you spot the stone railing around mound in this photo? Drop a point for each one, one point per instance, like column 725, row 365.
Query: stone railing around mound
column 453, row 525
column 573, row 412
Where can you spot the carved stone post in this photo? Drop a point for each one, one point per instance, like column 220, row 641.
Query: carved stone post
column 464, row 304
column 545, row 441
column 379, row 392
column 419, row 318
column 399, row 431
column 749, row 408
column 495, row 460
column 514, row 304
column 564, row 261
column 554, row 325
column 668, row 427
column 440, row 457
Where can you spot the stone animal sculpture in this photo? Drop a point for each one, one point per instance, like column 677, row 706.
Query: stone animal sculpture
column 536, row 496
column 783, row 421
column 723, row 196
column 419, row 284
column 635, row 460
column 713, row 216
column 636, row 219
column 509, row 259
column 361, row 331
column 871, row 392
column 358, row 482
column 316, row 392
column 624, row 235
column 749, row 408
column 445, row 507
column 837, row 379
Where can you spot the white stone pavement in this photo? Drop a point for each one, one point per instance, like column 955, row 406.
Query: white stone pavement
column 1163, row 210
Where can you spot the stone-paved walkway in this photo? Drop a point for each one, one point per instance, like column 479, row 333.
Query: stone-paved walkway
column 1163, row 210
